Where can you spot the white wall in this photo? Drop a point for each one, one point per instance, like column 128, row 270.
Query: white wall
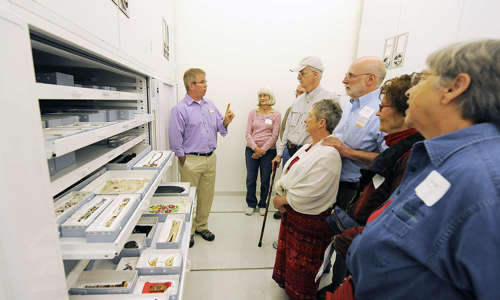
column 431, row 24
column 247, row 45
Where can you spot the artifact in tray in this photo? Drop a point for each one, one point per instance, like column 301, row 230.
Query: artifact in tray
column 113, row 217
column 124, row 186
column 127, row 263
column 76, row 224
column 156, row 287
column 154, row 159
column 70, row 202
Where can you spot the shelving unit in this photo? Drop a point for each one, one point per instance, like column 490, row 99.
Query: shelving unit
column 61, row 92
column 184, row 249
column 88, row 160
column 78, row 248
column 74, row 142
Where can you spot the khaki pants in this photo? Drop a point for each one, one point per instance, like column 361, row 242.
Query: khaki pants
column 200, row 172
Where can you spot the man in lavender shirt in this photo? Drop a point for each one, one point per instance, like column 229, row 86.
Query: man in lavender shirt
column 192, row 133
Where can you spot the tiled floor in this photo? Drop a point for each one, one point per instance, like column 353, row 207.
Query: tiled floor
column 233, row 266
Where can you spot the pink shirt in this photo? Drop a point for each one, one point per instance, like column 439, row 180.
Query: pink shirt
column 263, row 130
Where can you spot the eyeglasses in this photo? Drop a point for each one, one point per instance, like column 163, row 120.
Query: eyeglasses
column 351, row 76
column 200, row 82
column 381, row 106
column 304, row 73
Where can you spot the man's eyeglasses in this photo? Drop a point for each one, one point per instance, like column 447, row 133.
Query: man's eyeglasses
column 200, row 82
column 351, row 75
column 381, row 106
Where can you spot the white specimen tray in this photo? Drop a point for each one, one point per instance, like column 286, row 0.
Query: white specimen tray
column 57, row 133
column 97, row 186
column 162, row 206
column 161, row 242
column 126, row 263
column 85, row 125
column 75, row 225
column 64, row 207
column 172, row 290
column 161, row 255
column 100, row 231
column 158, row 157
column 140, row 239
column 104, row 277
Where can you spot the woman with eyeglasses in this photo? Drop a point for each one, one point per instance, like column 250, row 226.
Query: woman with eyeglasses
column 262, row 133
column 379, row 180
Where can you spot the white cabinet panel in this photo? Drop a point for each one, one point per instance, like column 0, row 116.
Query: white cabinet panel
column 96, row 17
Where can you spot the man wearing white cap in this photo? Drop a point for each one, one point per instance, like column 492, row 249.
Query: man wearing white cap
column 310, row 71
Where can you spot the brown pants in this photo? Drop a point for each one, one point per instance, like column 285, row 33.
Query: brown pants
column 200, row 172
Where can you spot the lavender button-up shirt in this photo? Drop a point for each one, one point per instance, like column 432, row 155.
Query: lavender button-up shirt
column 194, row 125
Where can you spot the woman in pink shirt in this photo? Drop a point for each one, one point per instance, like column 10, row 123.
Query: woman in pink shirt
column 262, row 132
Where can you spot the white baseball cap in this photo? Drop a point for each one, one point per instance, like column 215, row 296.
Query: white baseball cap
column 311, row 61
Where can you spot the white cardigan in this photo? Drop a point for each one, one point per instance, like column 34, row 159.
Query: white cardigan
column 312, row 183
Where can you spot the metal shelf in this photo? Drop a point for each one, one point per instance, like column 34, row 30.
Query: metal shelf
column 61, row 146
column 78, row 248
column 88, row 160
column 62, row 92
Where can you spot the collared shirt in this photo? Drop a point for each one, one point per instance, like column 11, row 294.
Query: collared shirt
column 194, row 125
column 295, row 128
column 312, row 183
column 440, row 237
column 359, row 129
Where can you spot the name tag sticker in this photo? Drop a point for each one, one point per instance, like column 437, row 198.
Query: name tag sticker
column 269, row 122
column 378, row 180
column 432, row 188
column 364, row 115
column 211, row 111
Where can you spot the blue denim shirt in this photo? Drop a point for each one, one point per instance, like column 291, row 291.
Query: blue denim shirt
column 358, row 133
column 449, row 249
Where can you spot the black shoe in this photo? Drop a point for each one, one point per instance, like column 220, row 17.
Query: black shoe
column 277, row 215
column 191, row 242
column 206, row 235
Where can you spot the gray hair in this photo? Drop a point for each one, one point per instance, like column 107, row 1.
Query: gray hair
column 190, row 76
column 481, row 61
column 268, row 92
column 329, row 110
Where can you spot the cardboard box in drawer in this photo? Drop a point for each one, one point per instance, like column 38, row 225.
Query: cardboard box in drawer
column 126, row 114
column 127, row 160
column 109, row 224
column 160, row 261
column 104, row 282
column 127, row 263
column 158, row 284
column 154, row 160
column 171, row 233
column 76, row 225
column 122, row 182
column 55, row 78
column 66, row 205
column 162, row 206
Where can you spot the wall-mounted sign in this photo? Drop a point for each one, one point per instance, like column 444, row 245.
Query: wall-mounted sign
column 395, row 51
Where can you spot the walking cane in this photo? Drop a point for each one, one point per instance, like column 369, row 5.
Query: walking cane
column 275, row 166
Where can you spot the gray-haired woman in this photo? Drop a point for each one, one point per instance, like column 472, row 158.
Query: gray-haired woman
column 262, row 132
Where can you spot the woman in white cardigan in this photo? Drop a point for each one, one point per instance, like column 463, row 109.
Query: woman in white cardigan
column 306, row 193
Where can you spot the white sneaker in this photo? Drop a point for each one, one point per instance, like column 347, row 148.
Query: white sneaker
column 262, row 211
column 249, row 211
